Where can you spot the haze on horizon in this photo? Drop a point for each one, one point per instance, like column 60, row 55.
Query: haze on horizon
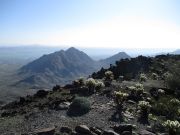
column 91, row 23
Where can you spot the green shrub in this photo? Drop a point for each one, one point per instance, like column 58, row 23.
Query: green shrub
column 79, row 82
column 173, row 81
column 166, row 106
column 154, row 76
column 79, row 106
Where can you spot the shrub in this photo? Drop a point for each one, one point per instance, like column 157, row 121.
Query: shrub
column 173, row 126
column 173, row 81
column 41, row 93
column 142, row 77
column 76, row 83
column 166, row 106
column 81, row 81
column 79, row 106
column 154, row 76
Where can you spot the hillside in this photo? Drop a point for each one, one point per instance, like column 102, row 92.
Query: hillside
column 109, row 105
column 111, row 60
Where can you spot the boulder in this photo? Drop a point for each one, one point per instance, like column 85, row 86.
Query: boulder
column 41, row 93
column 83, row 129
column 63, row 106
column 56, row 88
column 109, row 132
column 96, row 130
column 66, row 130
column 46, row 131
column 123, row 127
column 126, row 133
column 145, row 132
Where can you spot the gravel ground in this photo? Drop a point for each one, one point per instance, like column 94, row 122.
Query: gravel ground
column 98, row 116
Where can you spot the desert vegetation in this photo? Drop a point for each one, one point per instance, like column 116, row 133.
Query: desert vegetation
column 135, row 96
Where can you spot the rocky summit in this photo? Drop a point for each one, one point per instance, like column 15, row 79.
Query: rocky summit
column 135, row 96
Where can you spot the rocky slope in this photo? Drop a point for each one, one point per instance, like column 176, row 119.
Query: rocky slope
column 46, row 112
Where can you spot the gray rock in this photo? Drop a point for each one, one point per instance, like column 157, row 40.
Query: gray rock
column 145, row 132
column 83, row 129
column 63, row 106
column 66, row 130
column 109, row 132
column 46, row 131
column 126, row 133
column 123, row 127
column 96, row 130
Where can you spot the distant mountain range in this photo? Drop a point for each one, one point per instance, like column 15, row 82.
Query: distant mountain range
column 176, row 52
column 62, row 66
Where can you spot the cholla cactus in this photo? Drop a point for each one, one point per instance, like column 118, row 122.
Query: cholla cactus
column 144, row 106
column 99, row 85
column 139, row 87
column 109, row 75
column 137, row 91
column 91, row 83
column 154, row 76
column 120, row 97
column 152, row 117
column 142, row 77
column 172, row 125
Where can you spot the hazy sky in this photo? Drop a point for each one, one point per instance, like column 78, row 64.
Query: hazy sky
column 91, row 23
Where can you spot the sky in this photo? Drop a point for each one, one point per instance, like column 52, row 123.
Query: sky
column 91, row 23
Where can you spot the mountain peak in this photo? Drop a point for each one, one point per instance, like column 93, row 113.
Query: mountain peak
column 71, row 49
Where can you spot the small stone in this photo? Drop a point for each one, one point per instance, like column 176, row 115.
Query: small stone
column 96, row 130
column 131, row 102
column 126, row 133
column 83, row 129
column 46, row 131
column 123, row 127
column 66, row 130
column 109, row 132
column 63, row 106
column 145, row 132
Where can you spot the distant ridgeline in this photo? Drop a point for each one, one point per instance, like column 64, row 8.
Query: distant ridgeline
column 131, row 68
